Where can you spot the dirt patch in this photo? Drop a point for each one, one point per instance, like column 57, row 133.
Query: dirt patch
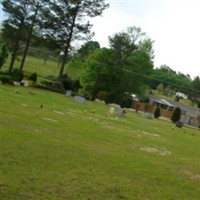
column 58, row 112
column 162, row 152
column 151, row 134
column 191, row 175
column 49, row 119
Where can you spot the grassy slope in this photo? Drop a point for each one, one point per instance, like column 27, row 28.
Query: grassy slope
column 61, row 152
column 37, row 65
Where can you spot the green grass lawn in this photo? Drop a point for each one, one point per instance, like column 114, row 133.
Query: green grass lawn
column 37, row 65
column 63, row 151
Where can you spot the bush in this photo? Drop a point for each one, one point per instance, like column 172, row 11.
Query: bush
column 17, row 75
column 176, row 115
column 33, row 77
column 123, row 101
column 6, row 79
column 84, row 93
column 157, row 112
column 3, row 54
column 56, row 86
column 103, row 95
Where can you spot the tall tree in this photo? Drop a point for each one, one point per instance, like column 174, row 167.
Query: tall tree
column 34, row 8
column 120, row 69
column 196, row 83
column 76, row 65
column 67, row 23
column 134, row 58
column 99, row 74
column 18, row 27
column 14, row 26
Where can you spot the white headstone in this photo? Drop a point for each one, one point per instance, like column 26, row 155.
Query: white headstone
column 111, row 110
column 68, row 93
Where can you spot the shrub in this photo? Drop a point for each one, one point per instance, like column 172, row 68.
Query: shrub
column 17, row 75
column 176, row 115
column 84, row 93
column 123, row 101
column 33, row 77
column 57, row 86
column 103, row 95
column 157, row 112
column 6, row 79
column 3, row 54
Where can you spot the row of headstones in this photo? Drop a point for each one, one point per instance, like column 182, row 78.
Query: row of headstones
column 112, row 110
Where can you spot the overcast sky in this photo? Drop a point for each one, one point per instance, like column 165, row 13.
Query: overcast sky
column 173, row 25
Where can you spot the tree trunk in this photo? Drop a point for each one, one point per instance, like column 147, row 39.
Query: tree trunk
column 63, row 61
column 13, row 56
column 65, row 56
column 24, row 55
column 29, row 38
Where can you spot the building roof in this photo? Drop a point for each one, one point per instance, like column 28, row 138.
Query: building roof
column 173, row 104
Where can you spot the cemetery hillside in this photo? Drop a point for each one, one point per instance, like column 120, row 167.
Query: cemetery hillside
column 55, row 148
column 83, row 122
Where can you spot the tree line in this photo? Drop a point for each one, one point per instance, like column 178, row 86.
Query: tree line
column 112, row 74
column 51, row 23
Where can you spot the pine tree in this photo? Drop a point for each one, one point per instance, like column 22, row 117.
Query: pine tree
column 67, row 22
column 176, row 115
column 157, row 112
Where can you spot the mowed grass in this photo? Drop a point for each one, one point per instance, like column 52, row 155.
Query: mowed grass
column 37, row 65
column 63, row 151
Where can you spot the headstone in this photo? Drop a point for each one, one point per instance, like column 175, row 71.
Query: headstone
column 150, row 115
column 179, row 124
column 79, row 99
column 120, row 112
column 111, row 110
column 142, row 113
column 68, row 93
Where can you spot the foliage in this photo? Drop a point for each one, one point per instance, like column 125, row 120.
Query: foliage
column 54, row 85
column 176, row 115
column 3, row 54
column 177, row 98
column 157, row 112
column 66, row 82
column 97, row 72
column 103, row 95
column 169, row 78
column 160, row 88
column 67, row 22
column 33, row 77
column 83, row 93
column 75, row 65
column 18, row 27
column 6, row 79
column 57, row 86
column 196, row 83
column 17, row 75
column 119, row 69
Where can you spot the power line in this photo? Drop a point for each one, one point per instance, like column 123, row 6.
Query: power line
column 163, row 81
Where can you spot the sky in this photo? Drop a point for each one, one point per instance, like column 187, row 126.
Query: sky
column 173, row 25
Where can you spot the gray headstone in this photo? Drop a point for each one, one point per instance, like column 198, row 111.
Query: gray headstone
column 150, row 115
column 120, row 112
column 79, row 99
